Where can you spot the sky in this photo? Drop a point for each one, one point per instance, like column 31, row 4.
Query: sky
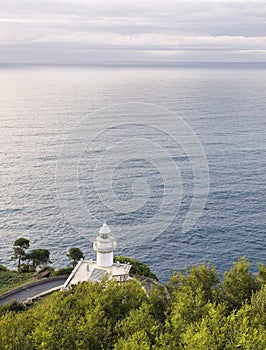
column 85, row 31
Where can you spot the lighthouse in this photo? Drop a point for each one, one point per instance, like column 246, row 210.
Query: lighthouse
column 103, row 267
column 104, row 246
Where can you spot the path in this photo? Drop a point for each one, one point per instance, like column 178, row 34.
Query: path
column 25, row 292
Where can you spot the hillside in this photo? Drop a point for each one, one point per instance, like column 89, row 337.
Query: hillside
column 195, row 310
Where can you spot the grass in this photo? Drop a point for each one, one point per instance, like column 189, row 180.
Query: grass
column 12, row 279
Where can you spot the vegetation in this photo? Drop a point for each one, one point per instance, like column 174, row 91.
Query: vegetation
column 19, row 249
column 198, row 312
column 32, row 260
column 13, row 279
column 63, row 271
column 75, row 254
column 47, row 267
column 13, row 306
column 3, row 268
column 137, row 267
column 37, row 257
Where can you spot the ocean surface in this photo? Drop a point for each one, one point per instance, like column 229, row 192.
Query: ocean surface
column 172, row 158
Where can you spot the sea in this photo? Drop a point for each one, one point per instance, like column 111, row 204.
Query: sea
column 172, row 158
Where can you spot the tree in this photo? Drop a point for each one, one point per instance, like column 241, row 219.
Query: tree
column 192, row 292
column 202, row 277
column 238, row 284
column 139, row 320
column 211, row 332
column 258, row 303
column 13, row 306
column 247, row 330
column 122, row 316
column 19, row 249
column 39, row 257
column 136, row 341
column 159, row 301
column 261, row 275
column 75, row 254
column 137, row 267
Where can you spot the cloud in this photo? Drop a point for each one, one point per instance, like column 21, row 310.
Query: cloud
column 234, row 28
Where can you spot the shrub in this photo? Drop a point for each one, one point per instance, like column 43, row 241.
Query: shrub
column 14, row 306
column 63, row 271
column 3, row 268
column 137, row 267
column 50, row 268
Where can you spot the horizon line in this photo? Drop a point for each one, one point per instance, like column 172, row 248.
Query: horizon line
column 136, row 63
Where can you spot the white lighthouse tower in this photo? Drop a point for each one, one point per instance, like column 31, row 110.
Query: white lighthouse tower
column 103, row 267
column 104, row 246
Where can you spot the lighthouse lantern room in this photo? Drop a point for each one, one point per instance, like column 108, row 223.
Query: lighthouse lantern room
column 104, row 247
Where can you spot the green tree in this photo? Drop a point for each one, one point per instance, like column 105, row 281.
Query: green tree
column 139, row 320
column 195, row 278
column 187, row 307
column 15, row 329
column 238, row 284
column 71, row 320
column 75, row 254
column 39, row 257
column 192, row 292
column 119, row 300
column 211, row 332
column 14, row 306
column 261, row 275
column 19, row 249
column 85, row 316
column 159, row 303
column 137, row 267
column 245, row 330
column 136, row 341
column 122, row 316
column 258, row 303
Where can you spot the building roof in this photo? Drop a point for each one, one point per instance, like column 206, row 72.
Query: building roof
column 97, row 275
column 88, row 270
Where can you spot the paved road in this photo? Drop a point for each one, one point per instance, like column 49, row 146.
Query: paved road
column 30, row 292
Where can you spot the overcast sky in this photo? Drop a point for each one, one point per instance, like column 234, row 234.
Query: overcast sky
column 76, row 31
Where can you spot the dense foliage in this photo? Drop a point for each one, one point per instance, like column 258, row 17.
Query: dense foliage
column 12, row 279
column 39, row 257
column 19, row 249
column 75, row 254
column 14, row 306
column 35, row 258
column 137, row 267
column 195, row 311
column 63, row 271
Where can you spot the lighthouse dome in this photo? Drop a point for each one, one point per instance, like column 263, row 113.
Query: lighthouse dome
column 104, row 230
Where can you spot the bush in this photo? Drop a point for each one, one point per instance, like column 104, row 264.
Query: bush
column 14, row 306
column 137, row 267
column 12, row 279
column 63, row 271
column 26, row 268
column 3, row 268
column 122, row 316
column 49, row 268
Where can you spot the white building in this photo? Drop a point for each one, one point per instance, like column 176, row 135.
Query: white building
column 89, row 270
